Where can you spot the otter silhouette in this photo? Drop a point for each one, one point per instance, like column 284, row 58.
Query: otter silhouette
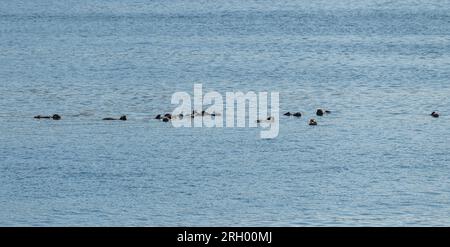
column 321, row 112
column 54, row 117
column 168, row 116
column 205, row 113
column 312, row 121
column 434, row 114
column 297, row 114
column 123, row 118
column 268, row 119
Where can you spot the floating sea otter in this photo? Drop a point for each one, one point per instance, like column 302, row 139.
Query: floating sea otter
column 435, row 114
column 167, row 117
column 268, row 119
column 297, row 114
column 123, row 118
column 312, row 121
column 54, row 117
column 320, row 112
column 196, row 113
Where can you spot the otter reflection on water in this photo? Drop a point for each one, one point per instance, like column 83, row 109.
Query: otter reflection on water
column 54, row 117
column 123, row 118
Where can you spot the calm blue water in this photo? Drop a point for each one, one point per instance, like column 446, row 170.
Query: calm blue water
column 379, row 159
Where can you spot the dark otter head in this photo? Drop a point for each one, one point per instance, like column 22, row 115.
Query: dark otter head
column 435, row 114
column 297, row 114
column 123, row 118
column 56, row 117
column 180, row 116
column 203, row 113
column 287, row 114
column 269, row 118
column 168, row 115
column 158, row 116
column 312, row 122
column 165, row 119
column 319, row 112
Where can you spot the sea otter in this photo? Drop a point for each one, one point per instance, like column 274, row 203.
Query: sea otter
column 54, row 117
column 123, row 118
column 297, row 114
column 320, row 112
column 168, row 116
column 312, row 121
column 268, row 119
column 435, row 114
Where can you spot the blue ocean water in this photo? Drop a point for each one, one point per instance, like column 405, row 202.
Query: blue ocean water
column 378, row 160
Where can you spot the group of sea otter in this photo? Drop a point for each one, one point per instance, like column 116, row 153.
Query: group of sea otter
column 58, row 117
column 168, row 117
column 320, row 112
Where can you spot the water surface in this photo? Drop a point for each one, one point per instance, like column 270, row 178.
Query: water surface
column 379, row 159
